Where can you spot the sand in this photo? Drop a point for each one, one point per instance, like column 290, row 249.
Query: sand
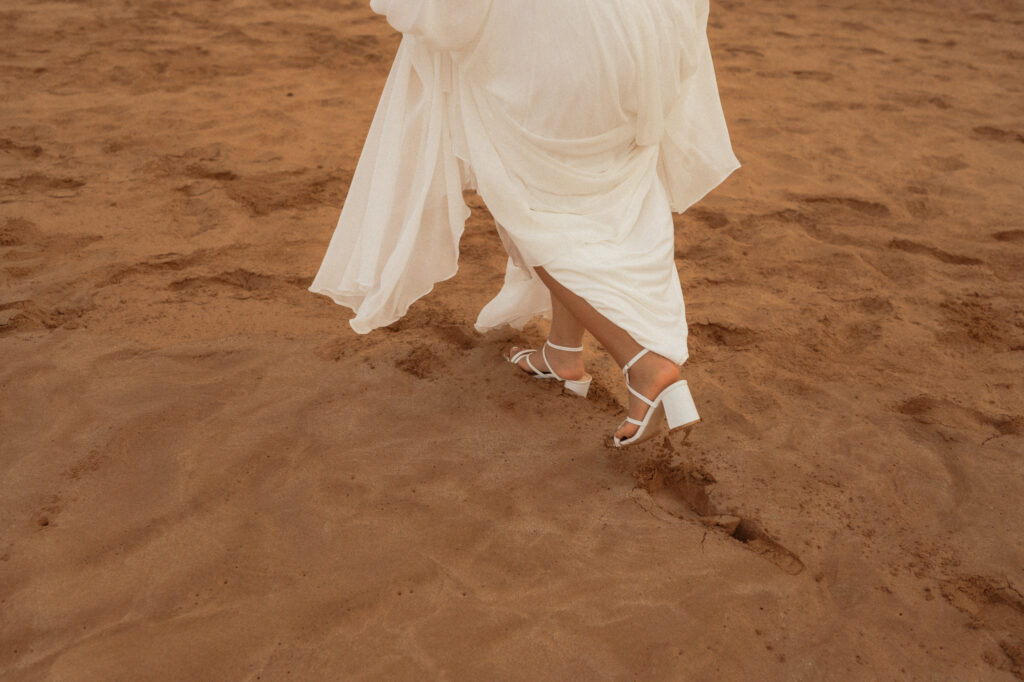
column 205, row 474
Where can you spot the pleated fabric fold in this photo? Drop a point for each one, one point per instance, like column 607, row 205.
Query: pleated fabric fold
column 399, row 229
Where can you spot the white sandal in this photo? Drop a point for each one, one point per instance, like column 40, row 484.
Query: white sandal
column 575, row 386
column 675, row 402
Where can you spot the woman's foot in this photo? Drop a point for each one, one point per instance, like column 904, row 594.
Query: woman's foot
column 650, row 375
column 566, row 364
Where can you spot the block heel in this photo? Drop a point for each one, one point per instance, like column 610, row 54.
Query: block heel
column 674, row 403
column 679, row 408
column 579, row 388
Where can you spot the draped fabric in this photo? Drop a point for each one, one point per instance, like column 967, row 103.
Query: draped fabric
column 582, row 125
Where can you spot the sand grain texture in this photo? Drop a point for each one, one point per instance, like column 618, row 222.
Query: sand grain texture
column 204, row 474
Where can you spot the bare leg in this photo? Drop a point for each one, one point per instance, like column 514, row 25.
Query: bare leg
column 566, row 330
column 650, row 375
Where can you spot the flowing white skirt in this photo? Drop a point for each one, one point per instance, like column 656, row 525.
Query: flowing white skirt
column 582, row 125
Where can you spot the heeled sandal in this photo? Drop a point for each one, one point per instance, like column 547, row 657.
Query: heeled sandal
column 675, row 403
column 575, row 386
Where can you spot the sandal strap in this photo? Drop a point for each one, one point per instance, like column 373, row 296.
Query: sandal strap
column 565, row 348
column 525, row 355
column 536, row 372
column 625, row 372
column 544, row 354
column 634, row 421
column 520, row 355
column 625, row 367
column 527, row 352
column 638, row 394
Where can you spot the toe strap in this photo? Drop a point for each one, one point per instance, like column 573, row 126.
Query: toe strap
column 525, row 355
column 520, row 355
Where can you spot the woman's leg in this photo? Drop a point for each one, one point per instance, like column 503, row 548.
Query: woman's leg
column 650, row 375
column 566, row 330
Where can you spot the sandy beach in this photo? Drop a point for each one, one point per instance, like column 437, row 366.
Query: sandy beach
column 205, row 474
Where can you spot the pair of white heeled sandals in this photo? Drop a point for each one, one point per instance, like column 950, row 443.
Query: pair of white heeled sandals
column 674, row 402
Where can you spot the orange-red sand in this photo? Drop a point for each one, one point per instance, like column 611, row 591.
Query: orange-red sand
column 205, row 474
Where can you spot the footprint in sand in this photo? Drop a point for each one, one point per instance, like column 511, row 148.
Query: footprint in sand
column 159, row 263
column 975, row 320
column 239, row 282
column 820, row 76
column 868, row 208
column 997, row 607
column 30, row 151
column 712, row 219
column 676, row 492
column 38, row 183
column 1009, row 236
column 932, row 411
column 16, row 231
column 726, row 335
column 908, row 246
column 264, row 193
column 998, row 134
column 421, row 362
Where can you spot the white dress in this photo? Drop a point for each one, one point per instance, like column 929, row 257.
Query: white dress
column 582, row 124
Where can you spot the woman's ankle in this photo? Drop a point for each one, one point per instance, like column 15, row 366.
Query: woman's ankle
column 653, row 373
column 566, row 364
